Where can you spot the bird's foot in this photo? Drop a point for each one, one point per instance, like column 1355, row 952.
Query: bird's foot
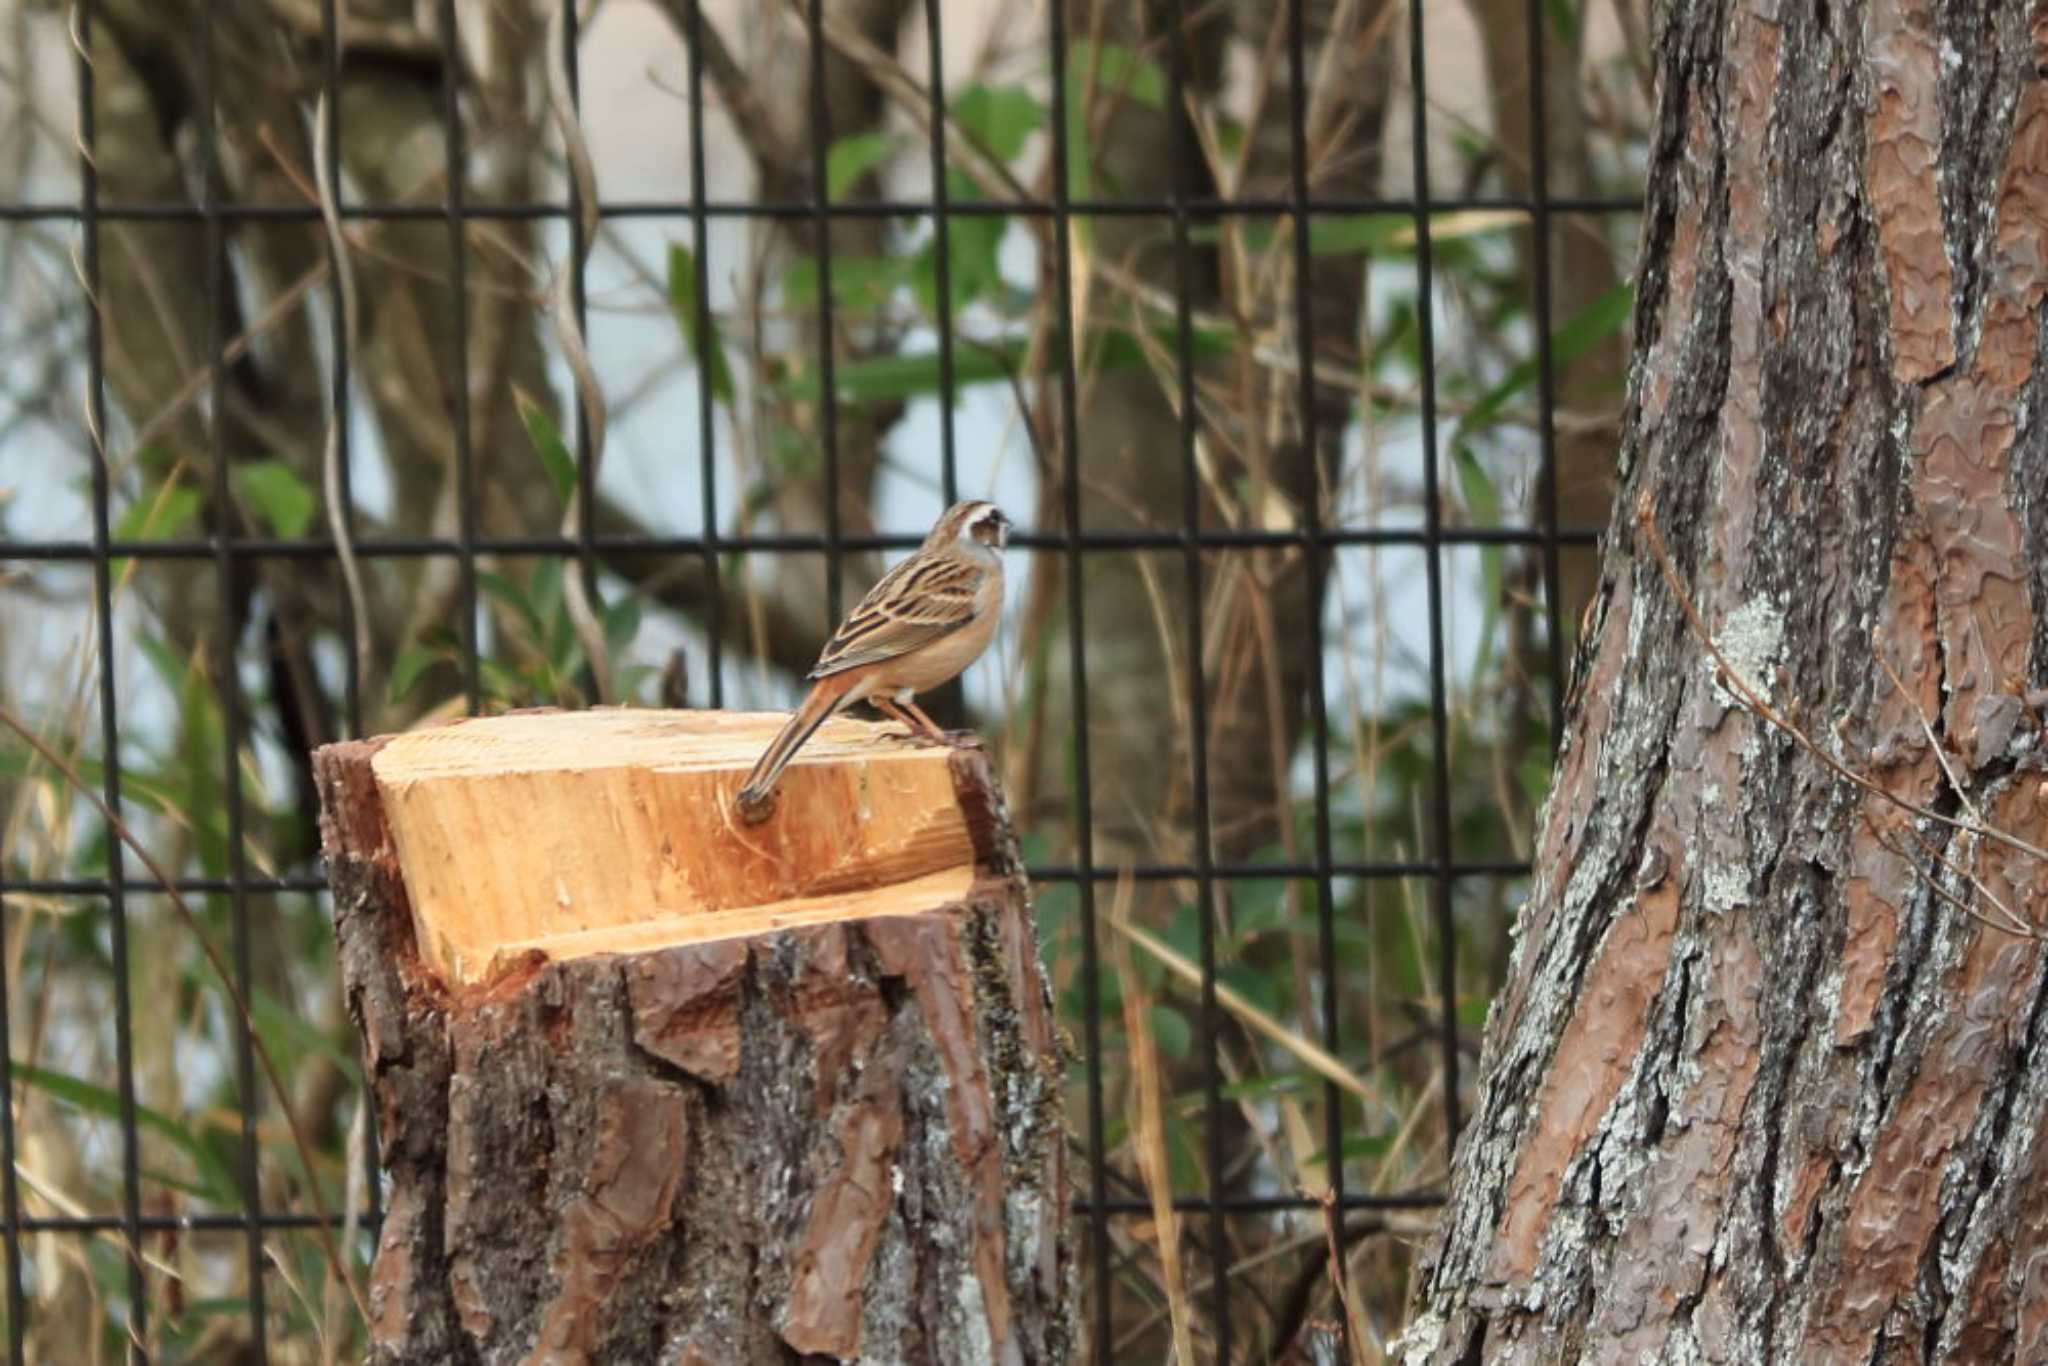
column 754, row 807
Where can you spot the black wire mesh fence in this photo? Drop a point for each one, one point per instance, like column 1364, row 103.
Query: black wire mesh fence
column 363, row 347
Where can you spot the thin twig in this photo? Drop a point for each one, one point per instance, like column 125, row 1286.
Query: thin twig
column 575, row 594
column 330, row 456
column 1646, row 519
column 988, row 171
column 2015, row 925
column 1927, row 730
column 1354, row 1329
column 1148, row 1134
column 1319, row 1059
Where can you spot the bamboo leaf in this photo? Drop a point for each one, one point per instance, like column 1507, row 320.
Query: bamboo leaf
column 412, row 662
column 852, row 157
column 682, row 296
column 1003, row 117
column 218, row 1181
column 160, row 517
column 275, row 492
column 1122, row 71
column 1577, row 335
column 547, row 444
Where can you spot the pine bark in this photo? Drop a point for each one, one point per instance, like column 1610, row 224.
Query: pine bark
column 833, row 1142
column 1763, row 1085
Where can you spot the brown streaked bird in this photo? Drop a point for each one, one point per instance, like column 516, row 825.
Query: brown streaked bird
column 920, row 625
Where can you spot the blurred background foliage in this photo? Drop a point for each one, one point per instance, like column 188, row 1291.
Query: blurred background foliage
column 600, row 353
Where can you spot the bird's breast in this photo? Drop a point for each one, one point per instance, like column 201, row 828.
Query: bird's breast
column 930, row 665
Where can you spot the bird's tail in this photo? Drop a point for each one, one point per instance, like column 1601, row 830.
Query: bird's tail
column 815, row 711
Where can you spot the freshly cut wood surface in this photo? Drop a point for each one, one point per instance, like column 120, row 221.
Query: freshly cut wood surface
column 766, row 1094
column 577, row 833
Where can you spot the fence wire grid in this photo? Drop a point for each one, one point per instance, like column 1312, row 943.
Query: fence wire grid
column 1325, row 873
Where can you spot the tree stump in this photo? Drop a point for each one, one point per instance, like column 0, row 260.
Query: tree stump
column 656, row 1085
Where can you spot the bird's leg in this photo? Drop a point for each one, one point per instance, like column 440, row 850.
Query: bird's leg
column 931, row 727
column 893, row 712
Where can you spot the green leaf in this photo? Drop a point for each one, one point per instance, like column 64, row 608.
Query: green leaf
column 879, row 378
column 1075, row 119
column 1121, row 71
column 279, row 1023
column 412, row 662
column 160, row 516
column 1183, row 931
column 1579, row 334
column 1375, row 234
column 1471, row 1011
column 973, row 255
column 1563, row 19
column 1261, row 989
column 1001, row 117
column 277, row 494
column 508, row 685
column 1116, row 348
column 861, row 284
column 547, row 444
column 1170, row 1031
column 631, row 682
column 1482, row 499
column 218, row 1180
column 1258, row 905
column 621, row 624
column 1593, row 324
column 1372, row 233
column 156, row 518
column 852, row 157
column 916, row 374
column 1264, row 1088
column 508, row 593
column 682, row 297
column 1483, row 502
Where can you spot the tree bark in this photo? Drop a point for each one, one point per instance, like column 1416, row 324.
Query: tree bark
column 1764, row 1083
column 832, row 1141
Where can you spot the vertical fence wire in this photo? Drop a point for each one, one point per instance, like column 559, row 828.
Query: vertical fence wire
column 454, row 199
column 1546, row 379
column 828, row 370
column 232, row 553
column 1315, row 552
column 1214, row 1149
column 110, row 715
column 1442, row 869
column 1083, row 816
column 10, row 1189
column 587, row 454
column 942, row 265
column 339, row 362
column 228, row 676
column 702, row 340
column 339, row 341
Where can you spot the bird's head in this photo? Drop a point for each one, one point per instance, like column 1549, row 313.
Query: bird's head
column 973, row 525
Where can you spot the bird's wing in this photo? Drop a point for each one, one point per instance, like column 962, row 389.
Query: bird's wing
column 913, row 604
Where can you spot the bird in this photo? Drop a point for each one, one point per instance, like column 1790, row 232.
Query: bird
column 921, row 624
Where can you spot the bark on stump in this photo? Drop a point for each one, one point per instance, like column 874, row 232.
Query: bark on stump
column 653, row 1085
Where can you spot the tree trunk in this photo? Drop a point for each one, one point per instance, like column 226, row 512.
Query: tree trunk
column 1765, row 1084
column 764, row 1094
